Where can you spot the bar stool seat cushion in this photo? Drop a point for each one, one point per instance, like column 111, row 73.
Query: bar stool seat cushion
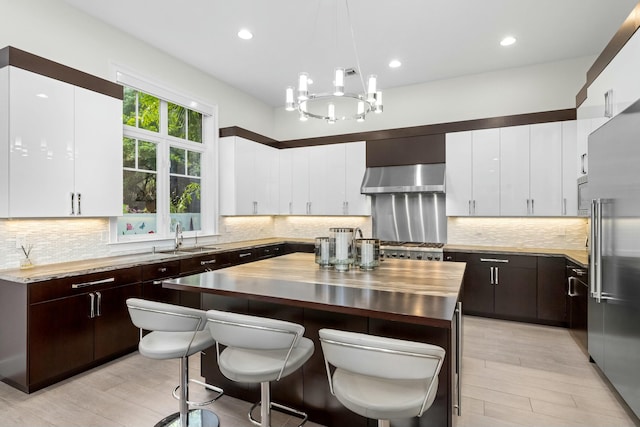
column 174, row 345
column 380, row 398
column 257, row 366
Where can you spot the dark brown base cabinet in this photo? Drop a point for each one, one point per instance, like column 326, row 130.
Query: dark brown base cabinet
column 501, row 286
column 515, row 287
column 65, row 326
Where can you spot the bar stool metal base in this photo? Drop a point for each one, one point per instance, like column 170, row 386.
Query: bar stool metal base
column 197, row 418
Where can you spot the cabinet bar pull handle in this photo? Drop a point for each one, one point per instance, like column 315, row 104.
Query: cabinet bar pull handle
column 458, row 405
column 583, row 159
column 496, row 275
column 95, row 282
column 73, row 208
column 157, row 282
column 494, row 260
column 79, row 204
column 290, row 207
column 564, row 206
column 98, row 304
column 469, row 207
column 162, row 269
column 532, row 209
column 474, row 207
column 245, row 255
column 491, row 274
column 92, row 300
column 255, row 208
column 528, row 206
column 209, row 261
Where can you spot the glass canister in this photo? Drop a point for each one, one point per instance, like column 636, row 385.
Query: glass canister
column 323, row 252
column 341, row 248
column 367, row 253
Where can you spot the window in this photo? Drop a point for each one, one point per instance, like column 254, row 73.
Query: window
column 167, row 149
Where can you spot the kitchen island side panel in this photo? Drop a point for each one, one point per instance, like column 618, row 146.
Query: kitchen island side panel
column 13, row 334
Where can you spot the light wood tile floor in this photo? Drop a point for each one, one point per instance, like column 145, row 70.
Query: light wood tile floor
column 514, row 374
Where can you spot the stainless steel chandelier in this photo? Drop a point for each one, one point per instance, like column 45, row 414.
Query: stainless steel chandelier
column 339, row 104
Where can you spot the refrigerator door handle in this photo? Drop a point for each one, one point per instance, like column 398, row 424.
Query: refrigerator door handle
column 595, row 285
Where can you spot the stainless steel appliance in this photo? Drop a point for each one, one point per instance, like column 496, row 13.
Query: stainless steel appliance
column 584, row 201
column 614, row 304
column 412, row 250
column 408, row 202
column 578, row 299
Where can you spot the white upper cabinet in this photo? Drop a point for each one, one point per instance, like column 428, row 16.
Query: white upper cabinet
column 512, row 171
column 473, row 173
column 545, row 184
column 569, row 168
column 249, row 177
column 64, row 149
column 323, row 180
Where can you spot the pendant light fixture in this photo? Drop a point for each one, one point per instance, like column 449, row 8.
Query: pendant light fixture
column 340, row 104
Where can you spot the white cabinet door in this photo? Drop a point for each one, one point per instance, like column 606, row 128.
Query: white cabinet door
column 332, row 180
column 285, row 203
column 486, row 172
column 98, row 154
column 459, row 174
column 569, row 173
column 356, row 161
column 41, row 145
column 248, row 177
column 514, row 171
column 545, row 184
column 300, row 181
column 265, row 179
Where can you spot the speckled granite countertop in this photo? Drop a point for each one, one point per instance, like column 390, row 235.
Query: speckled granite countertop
column 580, row 257
column 75, row 268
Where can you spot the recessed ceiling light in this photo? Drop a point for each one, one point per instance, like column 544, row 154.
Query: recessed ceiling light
column 245, row 34
column 395, row 63
column 507, row 41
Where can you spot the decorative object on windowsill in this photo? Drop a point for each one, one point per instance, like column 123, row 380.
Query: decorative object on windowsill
column 340, row 104
column 26, row 262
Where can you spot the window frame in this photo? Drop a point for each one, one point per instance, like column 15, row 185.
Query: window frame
column 208, row 168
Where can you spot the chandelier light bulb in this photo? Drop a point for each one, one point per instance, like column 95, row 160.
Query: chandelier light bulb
column 360, row 111
column 331, row 112
column 339, row 82
column 303, row 87
column 290, row 106
column 378, row 106
column 371, row 88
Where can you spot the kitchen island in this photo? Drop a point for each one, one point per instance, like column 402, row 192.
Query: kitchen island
column 415, row 300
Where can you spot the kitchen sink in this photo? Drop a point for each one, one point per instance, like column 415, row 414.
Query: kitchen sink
column 190, row 250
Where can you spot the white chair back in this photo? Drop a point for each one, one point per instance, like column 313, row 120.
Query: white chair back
column 159, row 316
column 251, row 332
column 381, row 357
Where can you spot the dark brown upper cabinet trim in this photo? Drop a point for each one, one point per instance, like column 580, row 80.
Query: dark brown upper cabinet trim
column 27, row 61
column 256, row 137
column 622, row 36
column 409, row 132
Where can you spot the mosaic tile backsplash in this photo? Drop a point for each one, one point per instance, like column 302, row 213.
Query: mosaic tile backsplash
column 60, row 240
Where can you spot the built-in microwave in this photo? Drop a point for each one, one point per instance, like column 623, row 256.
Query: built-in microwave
column 584, row 202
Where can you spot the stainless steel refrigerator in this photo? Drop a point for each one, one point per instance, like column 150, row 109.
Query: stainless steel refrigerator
column 614, row 304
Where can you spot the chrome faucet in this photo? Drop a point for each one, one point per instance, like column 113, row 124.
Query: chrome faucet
column 178, row 236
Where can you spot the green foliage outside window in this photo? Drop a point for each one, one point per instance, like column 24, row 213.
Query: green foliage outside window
column 140, row 110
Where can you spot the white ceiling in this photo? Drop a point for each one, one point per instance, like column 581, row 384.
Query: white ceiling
column 434, row 39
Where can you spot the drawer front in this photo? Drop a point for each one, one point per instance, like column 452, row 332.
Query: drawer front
column 69, row 286
column 496, row 259
column 241, row 256
column 161, row 270
column 263, row 252
column 200, row 263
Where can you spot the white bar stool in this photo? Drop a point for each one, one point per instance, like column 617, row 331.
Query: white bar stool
column 381, row 378
column 259, row 350
column 177, row 332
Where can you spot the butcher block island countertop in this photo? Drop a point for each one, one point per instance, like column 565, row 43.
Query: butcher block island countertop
column 421, row 292
column 405, row 299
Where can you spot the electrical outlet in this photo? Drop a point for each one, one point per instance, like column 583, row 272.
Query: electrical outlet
column 21, row 241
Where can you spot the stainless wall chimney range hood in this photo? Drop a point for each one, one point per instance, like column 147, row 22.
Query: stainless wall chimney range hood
column 408, row 202
column 425, row 178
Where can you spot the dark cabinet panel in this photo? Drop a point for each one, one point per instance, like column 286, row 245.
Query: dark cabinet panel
column 153, row 274
column 552, row 290
column 499, row 285
column 578, row 304
column 113, row 330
